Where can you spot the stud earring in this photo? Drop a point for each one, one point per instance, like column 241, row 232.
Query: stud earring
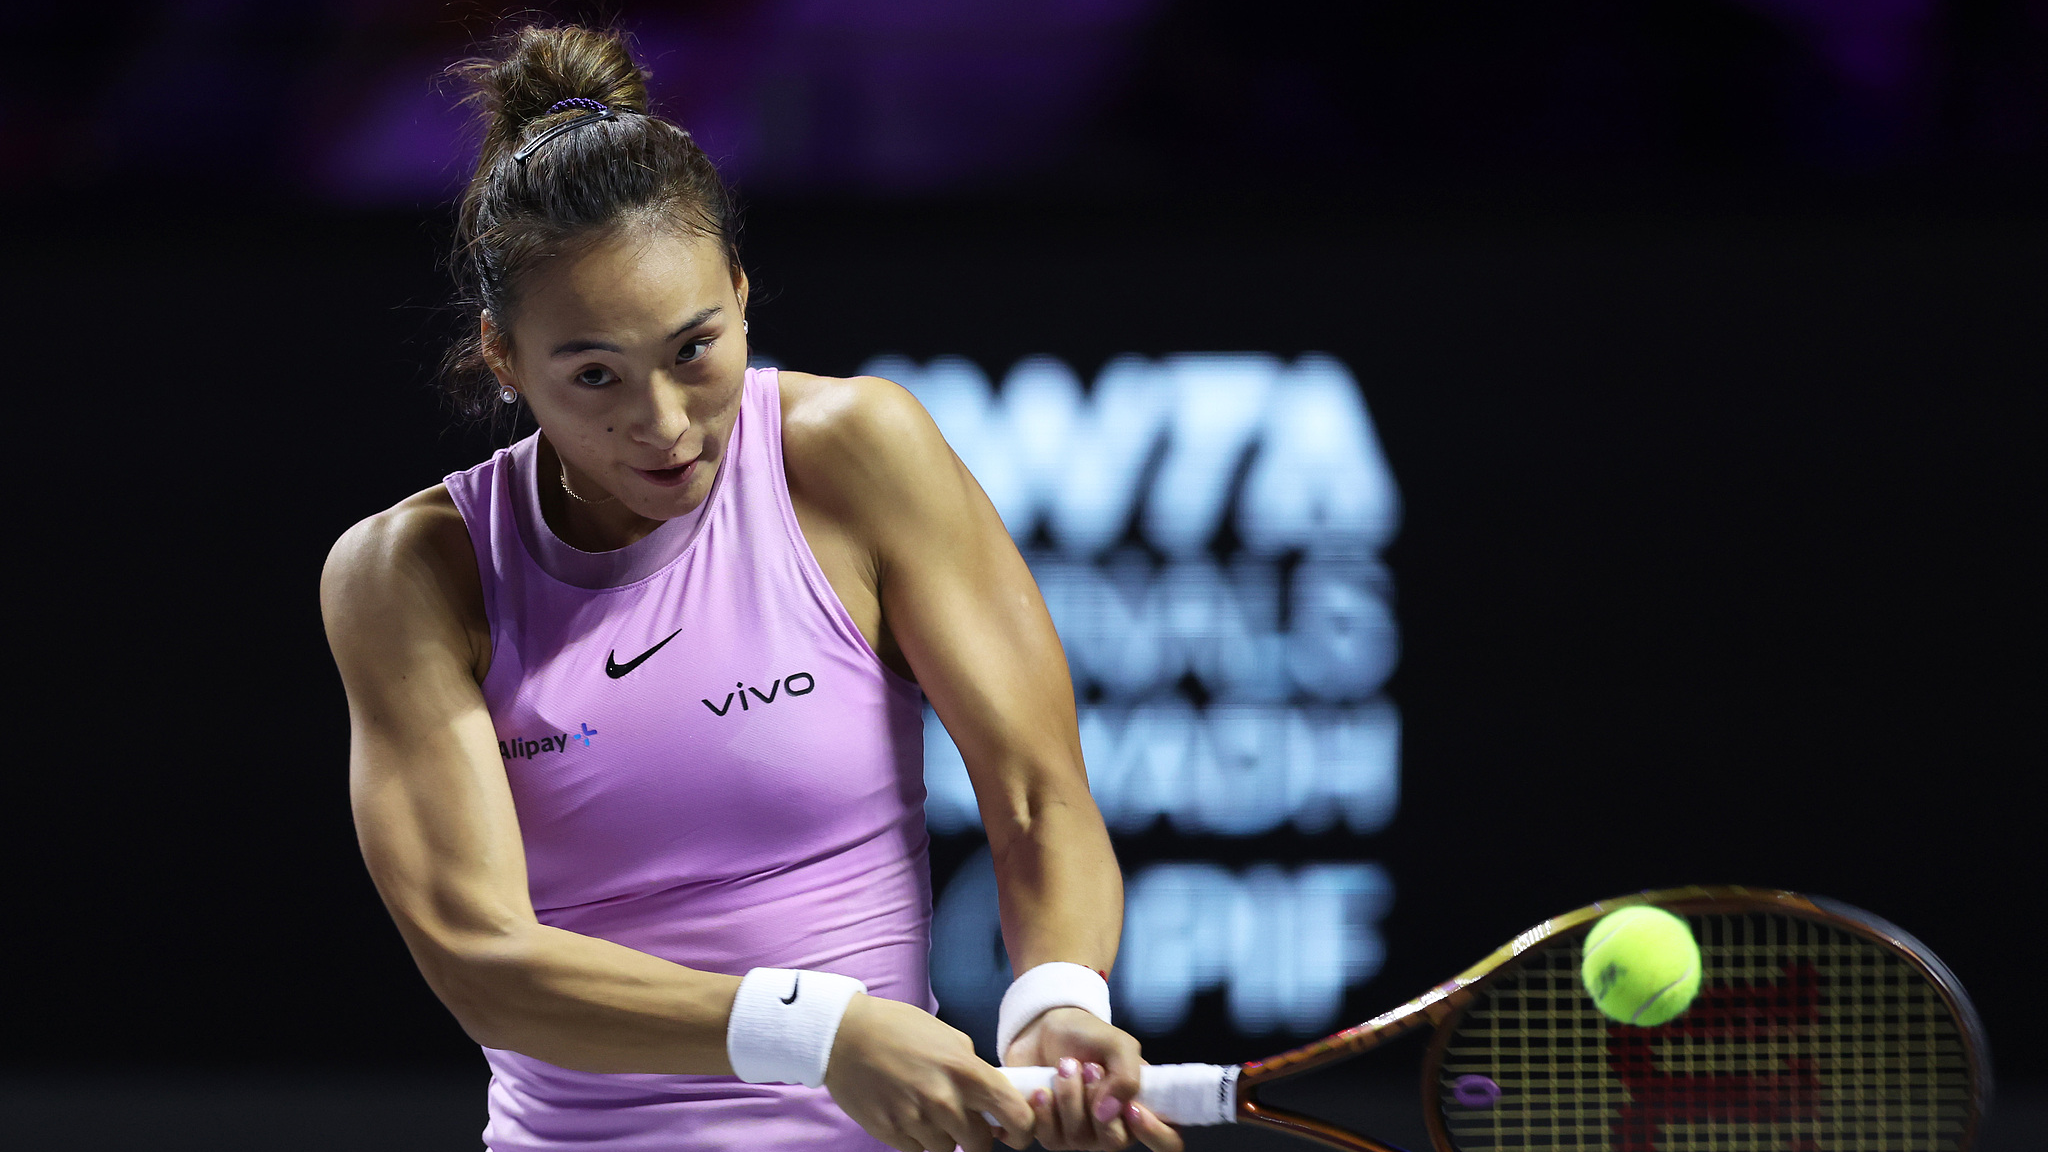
column 743, row 327
column 508, row 394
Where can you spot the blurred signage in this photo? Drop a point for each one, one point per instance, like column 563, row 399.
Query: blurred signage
column 1206, row 530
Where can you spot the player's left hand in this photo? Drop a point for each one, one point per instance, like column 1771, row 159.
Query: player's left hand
column 1089, row 1105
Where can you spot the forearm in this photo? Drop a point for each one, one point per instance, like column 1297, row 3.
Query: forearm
column 588, row 1004
column 1061, row 892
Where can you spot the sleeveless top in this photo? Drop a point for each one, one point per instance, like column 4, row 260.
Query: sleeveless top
column 710, row 765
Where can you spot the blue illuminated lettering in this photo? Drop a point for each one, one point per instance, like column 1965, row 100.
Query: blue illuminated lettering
column 1282, row 945
column 1288, row 636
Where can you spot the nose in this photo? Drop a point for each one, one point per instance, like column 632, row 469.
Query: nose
column 666, row 417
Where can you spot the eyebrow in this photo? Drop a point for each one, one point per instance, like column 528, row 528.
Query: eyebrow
column 575, row 346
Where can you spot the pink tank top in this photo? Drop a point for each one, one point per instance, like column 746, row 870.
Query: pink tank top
column 710, row 765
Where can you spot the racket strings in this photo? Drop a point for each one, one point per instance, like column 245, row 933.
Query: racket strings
column 1803, row 1038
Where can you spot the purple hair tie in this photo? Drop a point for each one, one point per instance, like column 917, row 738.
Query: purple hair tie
column 596, row 111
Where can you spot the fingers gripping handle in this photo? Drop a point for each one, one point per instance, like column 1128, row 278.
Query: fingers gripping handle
column 1181, row 1094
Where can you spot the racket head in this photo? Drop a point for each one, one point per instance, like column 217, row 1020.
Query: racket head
column 1817, row 1026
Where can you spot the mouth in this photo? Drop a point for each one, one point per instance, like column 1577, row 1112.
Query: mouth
column 674, row 477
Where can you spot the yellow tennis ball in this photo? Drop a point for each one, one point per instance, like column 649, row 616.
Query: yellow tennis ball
column 1642, row 965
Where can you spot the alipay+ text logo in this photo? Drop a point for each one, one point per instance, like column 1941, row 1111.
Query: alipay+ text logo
column 526, row 748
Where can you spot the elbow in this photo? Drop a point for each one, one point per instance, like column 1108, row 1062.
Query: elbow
column 479, row 978
column 1038, row 816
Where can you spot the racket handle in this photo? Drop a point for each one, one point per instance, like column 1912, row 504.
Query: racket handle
column 1180, row 1094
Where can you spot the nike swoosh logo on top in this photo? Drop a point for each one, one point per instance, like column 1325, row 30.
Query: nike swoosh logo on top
column 614, row 669
column 795, row 986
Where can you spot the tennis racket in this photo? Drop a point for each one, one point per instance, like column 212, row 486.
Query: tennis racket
column 1817, row 1027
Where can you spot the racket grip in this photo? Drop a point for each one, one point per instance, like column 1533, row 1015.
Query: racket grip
column 1180, row 1094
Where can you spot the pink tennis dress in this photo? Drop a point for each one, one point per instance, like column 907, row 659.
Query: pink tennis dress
column 710, row 765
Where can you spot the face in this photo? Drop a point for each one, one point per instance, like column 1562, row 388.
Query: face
column 629, row 353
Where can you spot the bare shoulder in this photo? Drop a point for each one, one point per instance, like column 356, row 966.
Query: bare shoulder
column 861, row 439
column 422, row 533
column 850, row 411
column 410, row 567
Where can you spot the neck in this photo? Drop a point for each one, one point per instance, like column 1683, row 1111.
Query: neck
column 604, row 525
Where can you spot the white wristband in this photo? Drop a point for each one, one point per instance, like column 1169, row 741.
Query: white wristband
column 783, row 1022
column 1178, row 1093
column 1048, row 986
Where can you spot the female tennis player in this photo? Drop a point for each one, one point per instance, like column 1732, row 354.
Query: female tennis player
column 636, row 704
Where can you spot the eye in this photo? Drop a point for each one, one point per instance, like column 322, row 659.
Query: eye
column 595, row 376
column 694, row 351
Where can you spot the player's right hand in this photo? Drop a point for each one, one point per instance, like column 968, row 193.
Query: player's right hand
column 915, row 1084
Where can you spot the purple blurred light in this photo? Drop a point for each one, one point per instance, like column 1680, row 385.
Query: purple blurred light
column 1876, row 45
column 342, row 100
column 885, row 96
column 409, row 142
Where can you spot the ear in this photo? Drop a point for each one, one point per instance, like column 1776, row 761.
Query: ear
column 739, row 286
column 496, row 349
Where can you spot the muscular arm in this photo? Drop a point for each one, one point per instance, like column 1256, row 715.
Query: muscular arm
column 434, row 817
column 954, row 598
column 959, row 602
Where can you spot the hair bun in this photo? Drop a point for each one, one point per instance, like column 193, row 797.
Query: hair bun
column 535, row 68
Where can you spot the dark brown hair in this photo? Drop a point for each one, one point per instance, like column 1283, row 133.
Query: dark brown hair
column 579, row 187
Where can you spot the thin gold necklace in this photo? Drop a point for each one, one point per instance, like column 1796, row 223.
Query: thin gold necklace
column 579, row 499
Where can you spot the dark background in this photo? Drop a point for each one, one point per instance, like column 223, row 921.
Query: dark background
column 1706, row 341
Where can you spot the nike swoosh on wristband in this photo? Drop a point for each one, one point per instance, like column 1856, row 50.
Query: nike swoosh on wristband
column 614, row 669
column 795, row 986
